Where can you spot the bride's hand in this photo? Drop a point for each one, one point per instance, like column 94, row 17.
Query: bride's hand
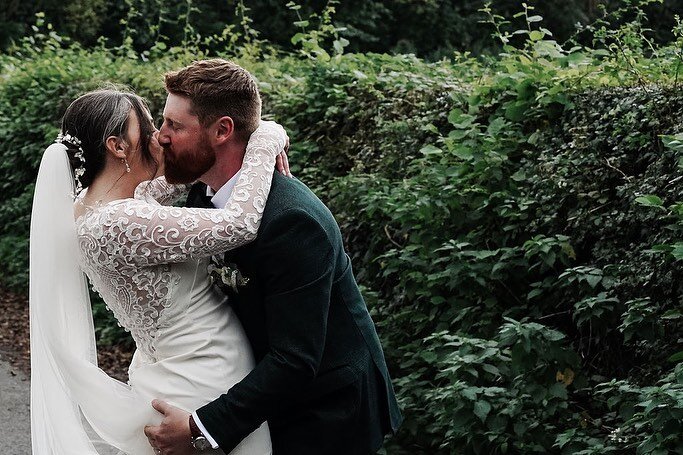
column 282, row 163
column 277, row 133
column 157, row 152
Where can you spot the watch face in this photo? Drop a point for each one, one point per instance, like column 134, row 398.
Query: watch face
column 200, row 443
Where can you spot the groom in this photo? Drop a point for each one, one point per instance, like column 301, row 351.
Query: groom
column 320, row 379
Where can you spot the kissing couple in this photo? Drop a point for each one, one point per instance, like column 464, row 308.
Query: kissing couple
column 251, row 334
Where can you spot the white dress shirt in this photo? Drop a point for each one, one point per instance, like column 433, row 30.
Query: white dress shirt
column 220, row 198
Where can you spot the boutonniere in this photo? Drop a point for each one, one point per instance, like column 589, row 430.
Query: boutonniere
column 226, row 275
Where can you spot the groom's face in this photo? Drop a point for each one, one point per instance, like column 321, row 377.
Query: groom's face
column 187, row 151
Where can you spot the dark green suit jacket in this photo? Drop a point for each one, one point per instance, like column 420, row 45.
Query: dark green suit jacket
column 320, row 379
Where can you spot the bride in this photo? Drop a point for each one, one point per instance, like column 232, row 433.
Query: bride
column 149, row 263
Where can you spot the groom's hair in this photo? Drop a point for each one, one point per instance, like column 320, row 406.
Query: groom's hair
column 219, row 88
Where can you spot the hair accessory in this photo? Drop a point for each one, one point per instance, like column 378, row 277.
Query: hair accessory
column 79, row 155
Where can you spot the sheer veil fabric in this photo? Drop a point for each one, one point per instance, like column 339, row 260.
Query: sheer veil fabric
column 66, row 383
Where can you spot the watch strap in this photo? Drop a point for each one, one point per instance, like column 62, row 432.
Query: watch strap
column 194, row 429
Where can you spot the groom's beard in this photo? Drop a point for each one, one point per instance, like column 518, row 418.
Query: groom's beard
column 188, row 165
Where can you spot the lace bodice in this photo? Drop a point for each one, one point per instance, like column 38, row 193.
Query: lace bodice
column 128, row 246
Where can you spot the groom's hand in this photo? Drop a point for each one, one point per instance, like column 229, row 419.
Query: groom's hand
column 172, row 436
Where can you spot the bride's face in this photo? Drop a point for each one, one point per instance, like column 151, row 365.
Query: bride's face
column 139, row 160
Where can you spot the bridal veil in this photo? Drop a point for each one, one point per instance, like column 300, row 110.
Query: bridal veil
column 66, row 384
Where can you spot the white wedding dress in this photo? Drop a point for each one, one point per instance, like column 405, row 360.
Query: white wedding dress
column 149, row 263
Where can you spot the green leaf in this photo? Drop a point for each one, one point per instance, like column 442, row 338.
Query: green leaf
column 536, row 35
column 470, row 393
column 677, row 251
column 482, row 409
column 463, row 152
column 339, row 45
column 677, row 357
column 563, row 438
column 490, row 369
column 516, row 111
column 428, row 356
column 650, row 201
column 593, row 280
column 558, row 390
column 297, row 38
column 534, row 293
column 429, row 150
column 672, row 315
column 459, row 119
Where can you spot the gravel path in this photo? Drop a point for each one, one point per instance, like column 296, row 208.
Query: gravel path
column 14, row 411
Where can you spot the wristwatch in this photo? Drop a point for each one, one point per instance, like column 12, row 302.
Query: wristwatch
column 198, row 440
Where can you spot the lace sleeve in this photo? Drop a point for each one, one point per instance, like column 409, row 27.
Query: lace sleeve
column 144, row 233
column 160, row 190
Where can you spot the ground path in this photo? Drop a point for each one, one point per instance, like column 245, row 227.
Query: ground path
column 15, row 438
column 15, row 435
column 14, row 415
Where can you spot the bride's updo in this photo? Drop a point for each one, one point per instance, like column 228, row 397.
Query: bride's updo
column 94, row 117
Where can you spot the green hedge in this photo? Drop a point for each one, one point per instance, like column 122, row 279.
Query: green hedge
column 514, row 226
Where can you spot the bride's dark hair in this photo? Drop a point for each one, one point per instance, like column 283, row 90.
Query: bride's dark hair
column 95, row 116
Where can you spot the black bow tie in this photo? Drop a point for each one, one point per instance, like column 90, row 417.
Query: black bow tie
column 198, row 197
column 207, row 200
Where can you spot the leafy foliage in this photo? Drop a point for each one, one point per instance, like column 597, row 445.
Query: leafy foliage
column 400, row 26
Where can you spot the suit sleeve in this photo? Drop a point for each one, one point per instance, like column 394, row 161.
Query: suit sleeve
column 297, row 276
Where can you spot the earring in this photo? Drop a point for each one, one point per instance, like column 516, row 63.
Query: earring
column 125, row 161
